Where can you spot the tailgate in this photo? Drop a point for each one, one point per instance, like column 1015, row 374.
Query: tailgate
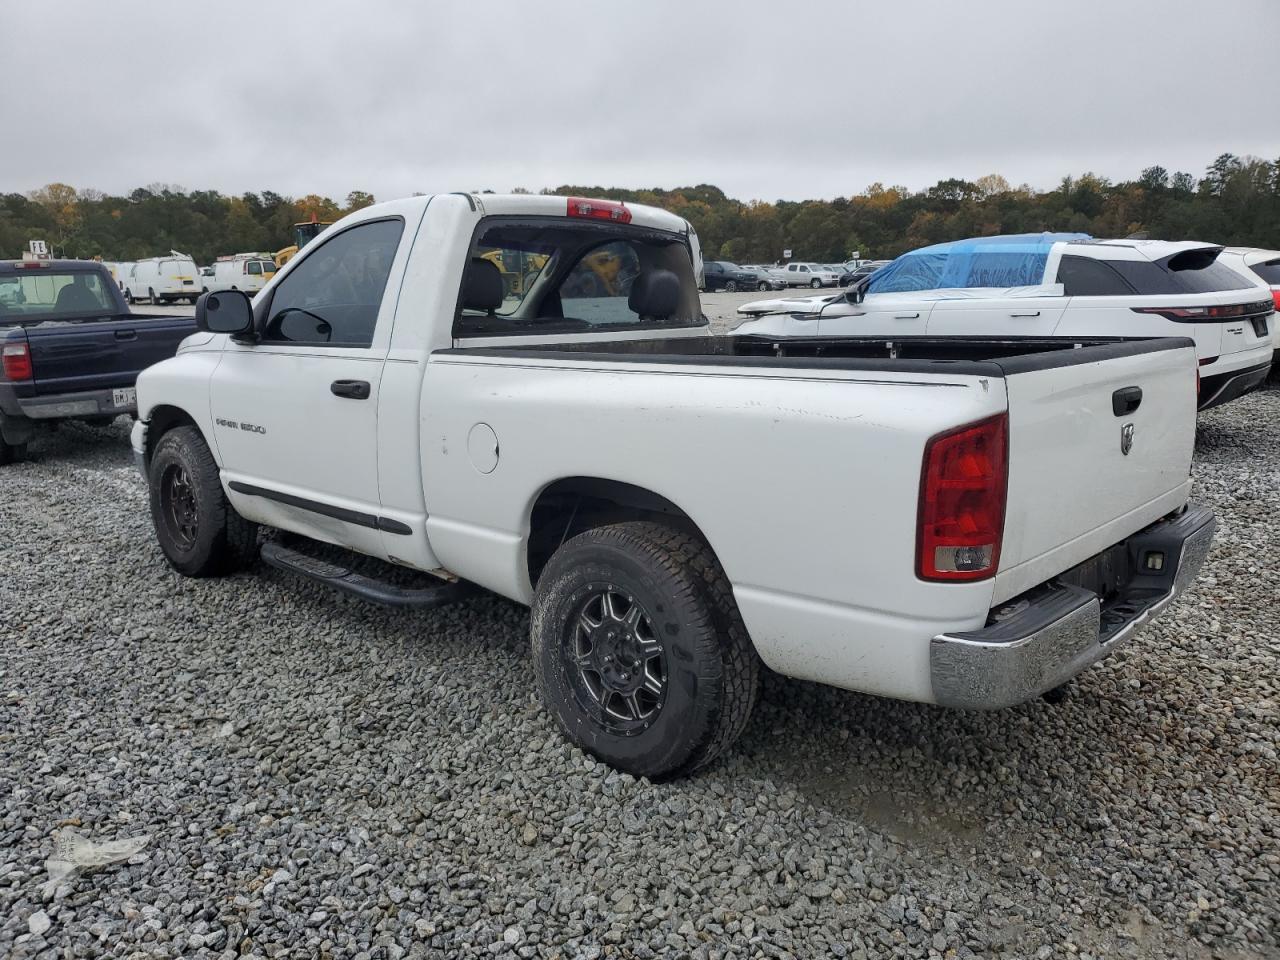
column 1100, row 445
column 75, row 357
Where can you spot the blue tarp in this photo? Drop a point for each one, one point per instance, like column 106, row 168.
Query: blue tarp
column 1013, row 260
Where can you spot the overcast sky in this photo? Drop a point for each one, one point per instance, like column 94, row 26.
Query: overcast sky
column 765, row 99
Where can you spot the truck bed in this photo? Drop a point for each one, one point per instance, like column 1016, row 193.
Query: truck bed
column 74, row 356
column 977, row 356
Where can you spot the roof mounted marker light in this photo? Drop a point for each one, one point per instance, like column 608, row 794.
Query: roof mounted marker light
column 611, row 210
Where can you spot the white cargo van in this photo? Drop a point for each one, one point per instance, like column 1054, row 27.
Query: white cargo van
column 163, row 279
column 249, row 272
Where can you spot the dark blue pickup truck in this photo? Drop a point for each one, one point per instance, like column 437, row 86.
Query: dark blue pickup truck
column 69, row 347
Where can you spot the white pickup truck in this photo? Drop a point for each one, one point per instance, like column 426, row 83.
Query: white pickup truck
column 968, row 521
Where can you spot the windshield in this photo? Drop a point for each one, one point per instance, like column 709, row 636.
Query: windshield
column 47, row 295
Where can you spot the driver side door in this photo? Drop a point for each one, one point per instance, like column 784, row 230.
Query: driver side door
column 295, row 414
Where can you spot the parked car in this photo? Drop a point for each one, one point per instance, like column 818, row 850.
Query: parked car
column 971, row 533
column 851, row 275
column 243, row 271
column 722, row 275
column 1053, row 285
column 163, row 280
column 810, row 275
column 774, row 276
column 1262, row 267
column 764, row 279
column 206, row 277
column 70, row 348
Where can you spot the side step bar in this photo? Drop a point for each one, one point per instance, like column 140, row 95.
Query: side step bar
column 359, row 585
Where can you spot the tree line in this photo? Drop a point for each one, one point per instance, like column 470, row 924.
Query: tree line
column 1235, row 202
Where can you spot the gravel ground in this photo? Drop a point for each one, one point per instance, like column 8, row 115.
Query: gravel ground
column 325, row 778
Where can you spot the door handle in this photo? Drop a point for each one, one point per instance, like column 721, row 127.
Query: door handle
column 126, row 334
column 352, row 389
column 1036, row 314
column 906, row 316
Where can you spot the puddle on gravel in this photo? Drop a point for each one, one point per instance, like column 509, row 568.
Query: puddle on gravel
column 911, row 820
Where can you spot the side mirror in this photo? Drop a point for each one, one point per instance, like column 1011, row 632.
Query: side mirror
column 226, row 311
column 856, row 291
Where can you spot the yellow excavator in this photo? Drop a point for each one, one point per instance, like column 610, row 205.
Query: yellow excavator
column 518, row 269
column 303, row 233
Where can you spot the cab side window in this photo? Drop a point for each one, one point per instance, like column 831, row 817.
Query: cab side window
column 332, row 297
column 1087, row 277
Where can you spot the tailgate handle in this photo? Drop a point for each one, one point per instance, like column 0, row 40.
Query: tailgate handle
column 1126, row 400
column 126, row 334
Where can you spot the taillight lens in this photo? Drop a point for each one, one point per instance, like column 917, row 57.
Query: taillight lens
column 17, row 361
column 963, row 488
column 599, row 210
column 1275, row 295
column 1226, row 312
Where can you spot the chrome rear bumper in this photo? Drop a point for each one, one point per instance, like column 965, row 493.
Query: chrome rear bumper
column 1052, row 633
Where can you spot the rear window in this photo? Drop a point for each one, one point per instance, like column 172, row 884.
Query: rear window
column 537, row 277
column 1189, row 272
column 42, row 295
column 1269, row 272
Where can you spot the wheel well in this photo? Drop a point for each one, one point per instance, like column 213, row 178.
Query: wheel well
column 163, row 419
column 573, row 505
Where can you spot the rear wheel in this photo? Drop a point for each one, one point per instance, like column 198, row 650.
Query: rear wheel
column 128, row 297
column 641, row 655
column 151, row 296
column 199, row 532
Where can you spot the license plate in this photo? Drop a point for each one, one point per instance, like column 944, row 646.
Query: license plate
column 1259, row 326
column 125, row 397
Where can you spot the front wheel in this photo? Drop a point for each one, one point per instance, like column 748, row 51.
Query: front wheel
column 640, row 652
column 731, row 286
column 128, row 297
column 762, row 285
column 815, row 283
column 199, row 532
column 151, row 296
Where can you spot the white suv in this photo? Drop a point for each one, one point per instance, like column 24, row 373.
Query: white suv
column 809, row 275
column 1054, row 285
column 1262, row 267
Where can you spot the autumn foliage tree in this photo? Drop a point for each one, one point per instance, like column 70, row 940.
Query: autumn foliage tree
column 1236, row 201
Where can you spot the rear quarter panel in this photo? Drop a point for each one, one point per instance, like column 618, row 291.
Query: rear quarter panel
column 804, row 483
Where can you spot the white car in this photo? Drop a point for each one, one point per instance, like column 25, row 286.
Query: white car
column 809, row 275
column 979, row 523
column 242, row 271
column 1263, row 267
column 1042, row 285
column 163, row 279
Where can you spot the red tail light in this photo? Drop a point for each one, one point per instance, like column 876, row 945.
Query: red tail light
column 17, row 361
column 1227, row 312
column 963, row 488
column 1275, row 295
column 599, row 210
